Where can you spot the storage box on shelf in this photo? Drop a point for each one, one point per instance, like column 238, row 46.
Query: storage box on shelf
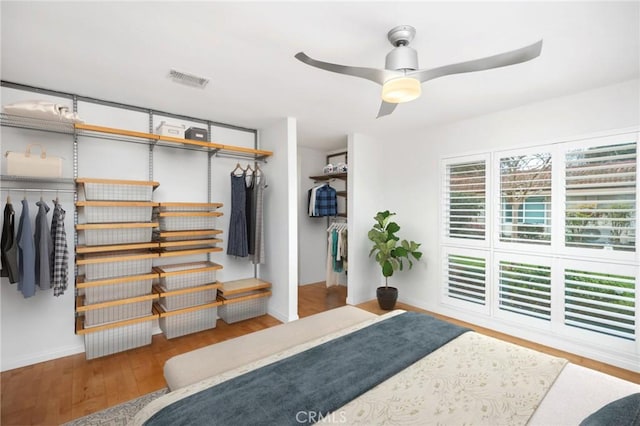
column 93, row 189
column 187, row 297
column 115, row 264
column 187, row 320
column 115, row 337
column 185, row 275
column 243, row 299
column 115, row 310
column 105, row 290
column 115, row 211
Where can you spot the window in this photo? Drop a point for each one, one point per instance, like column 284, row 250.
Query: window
column 601, row 197
column 465, row 192
column 525, row 194
column 563, row 253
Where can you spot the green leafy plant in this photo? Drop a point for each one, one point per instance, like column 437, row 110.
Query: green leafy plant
column 389, row 251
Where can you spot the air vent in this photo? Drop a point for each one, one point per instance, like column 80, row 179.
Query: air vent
column 188, row 79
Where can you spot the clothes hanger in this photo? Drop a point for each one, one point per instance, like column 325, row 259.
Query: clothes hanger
column 238, row 166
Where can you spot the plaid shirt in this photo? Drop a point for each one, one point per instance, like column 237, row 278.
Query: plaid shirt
column 326, row 201
column 60, row 257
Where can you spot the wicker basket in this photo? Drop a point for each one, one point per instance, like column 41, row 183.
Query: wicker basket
column 185, row 275
column 117, row 339
column 192, row 321
column 116, row 289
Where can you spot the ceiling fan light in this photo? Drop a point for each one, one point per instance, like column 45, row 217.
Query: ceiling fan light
column 401, row 89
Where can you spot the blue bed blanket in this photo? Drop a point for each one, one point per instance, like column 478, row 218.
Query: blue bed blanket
column 310, row 385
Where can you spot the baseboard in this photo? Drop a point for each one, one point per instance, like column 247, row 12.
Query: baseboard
column 282, row 317
column 10, row 364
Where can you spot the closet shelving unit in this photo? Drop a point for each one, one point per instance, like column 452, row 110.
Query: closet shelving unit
column 167, row 243
column 188, row 291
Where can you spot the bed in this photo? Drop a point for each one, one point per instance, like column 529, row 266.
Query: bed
column 348, row 367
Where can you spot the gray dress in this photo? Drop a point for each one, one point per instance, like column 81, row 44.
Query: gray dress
column 238, row 244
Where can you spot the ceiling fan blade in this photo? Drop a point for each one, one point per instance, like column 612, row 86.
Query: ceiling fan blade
column 496, row 61
column 386, row 108
column 373, row 74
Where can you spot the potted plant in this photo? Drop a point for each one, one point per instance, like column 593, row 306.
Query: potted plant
column 390, row 254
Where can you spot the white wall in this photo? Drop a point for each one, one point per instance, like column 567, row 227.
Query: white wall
column 42, row 327
column 413, row 190
column 312, row 231
column 281, row 219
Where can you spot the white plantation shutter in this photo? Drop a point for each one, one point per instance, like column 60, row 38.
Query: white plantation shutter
column 525, row 289
column 600, row 203
column 604, row 303
column 466, row 278
column 525, row 198
column 465, row 200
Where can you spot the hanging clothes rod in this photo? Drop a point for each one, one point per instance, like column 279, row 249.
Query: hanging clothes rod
column 67, row 191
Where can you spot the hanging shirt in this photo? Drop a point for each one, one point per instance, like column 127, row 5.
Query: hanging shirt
column 326, row 201
column 60, row 257
column 43, row 246
column 26, row 254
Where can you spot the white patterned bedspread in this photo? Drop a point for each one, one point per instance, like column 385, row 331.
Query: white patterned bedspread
column 473, row 379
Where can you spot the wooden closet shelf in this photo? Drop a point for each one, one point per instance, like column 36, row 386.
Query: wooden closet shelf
column 118, row 182
column 329, row 176
column 80, row 329
column 162, row 292
column 118, row 247
column 81, row 281
column 256, row 295
column 188, row 252
column 230, row 288
column 159, row 310
column 116, row 204
column 116, row 225
column 81, row 307
column 178, row 234
column 191, row 205
column 341, row 193
column 190, row 214
column 183, row 243
column 186, row 268
column 108, row 257
column 89, row 129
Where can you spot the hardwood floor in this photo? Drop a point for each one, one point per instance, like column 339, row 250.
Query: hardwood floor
column 54, row 392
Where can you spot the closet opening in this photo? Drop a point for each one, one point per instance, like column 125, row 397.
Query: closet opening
column 323, row 235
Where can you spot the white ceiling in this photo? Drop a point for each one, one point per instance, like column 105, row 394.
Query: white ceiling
column 122, row 51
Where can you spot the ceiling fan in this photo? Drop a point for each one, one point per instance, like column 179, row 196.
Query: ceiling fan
column 401, row 79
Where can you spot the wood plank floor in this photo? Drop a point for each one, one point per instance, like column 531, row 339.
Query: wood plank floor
column 54, row 392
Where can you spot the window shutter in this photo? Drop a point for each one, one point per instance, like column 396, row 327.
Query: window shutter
column 465, row 200
column 525, row 199
column 600, row 302
column 466, row 278
column 600, row 206
column 525, row 289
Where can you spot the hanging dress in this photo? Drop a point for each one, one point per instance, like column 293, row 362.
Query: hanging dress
column 60, row 256
column 26, row 254
column 8, row 245
column 250, row 212
column 238, row 244
column 260, row 185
